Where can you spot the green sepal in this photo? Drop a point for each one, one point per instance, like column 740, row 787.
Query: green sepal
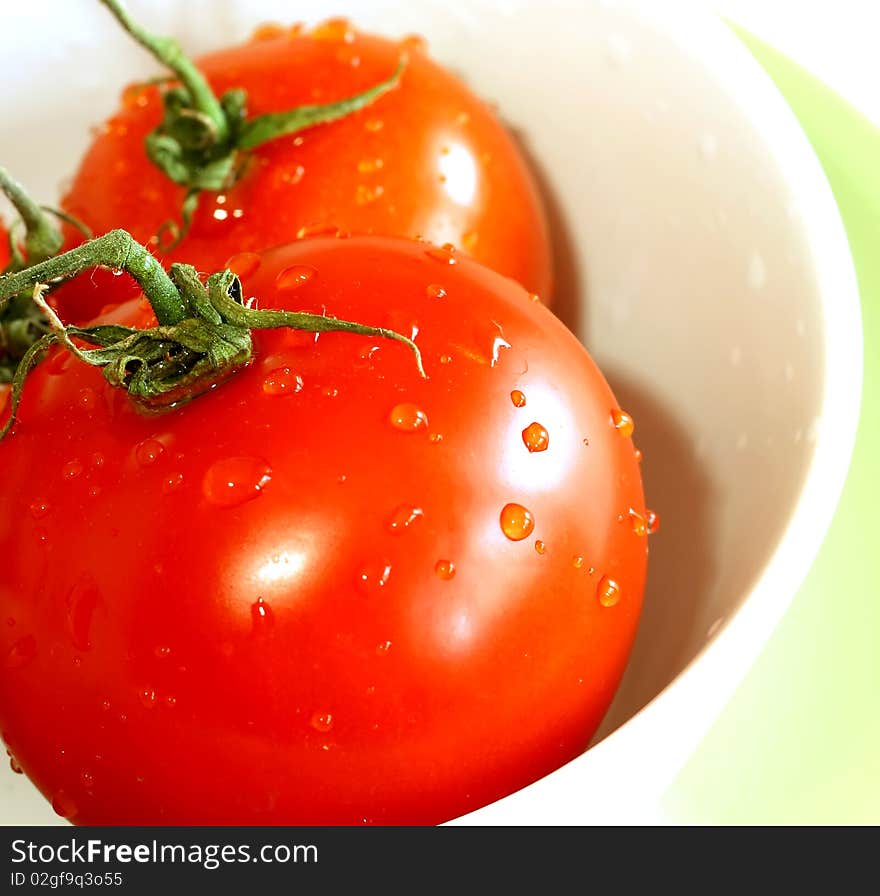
column 202, row 338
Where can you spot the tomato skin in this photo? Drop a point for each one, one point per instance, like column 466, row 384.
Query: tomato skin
column 4, row 246
column 428, row 159
column 168, row 658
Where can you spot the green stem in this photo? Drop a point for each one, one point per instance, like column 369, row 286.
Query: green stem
column 117, row 250
column 42, row 239
column 169, row 53
column 203, row 334
column 200, row 136
column 263, row 128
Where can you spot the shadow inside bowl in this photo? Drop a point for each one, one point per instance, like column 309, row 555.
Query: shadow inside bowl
column 569, row 280
column 681, row 565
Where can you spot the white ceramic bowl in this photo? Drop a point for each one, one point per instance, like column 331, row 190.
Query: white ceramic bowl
column 701, row 259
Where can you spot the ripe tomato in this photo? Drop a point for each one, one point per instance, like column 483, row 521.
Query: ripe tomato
column 328, row 591
column 428, row 159
column 4, row 246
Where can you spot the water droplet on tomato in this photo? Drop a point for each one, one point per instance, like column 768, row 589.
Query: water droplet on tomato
column 540, row 547
column 414, row 43
column 403, row 517
column 282, row 381
column 169, row 701
column 13, row 764
column 334, row 30
column 369, row 166
column 577, row 561
column 162, row 652
column 330, row 391
column 262, row 616
column 21, row 653
column 638, row 455
column 639, row 524
column 435, row 437
column 245, row 264
column 364, row 194
column 374, row 577
column 148, row 451
column 321, row 721
column 517, row 522
column 608, row 592
column 171, row 483
column 81, row 602
column 72, row 469
column 623, row 423
column 63, row 804
column 87, row 399
column 445, row 569
column 148, row 697
column 383, row 647
column 235, row 480
column 268, row 31
column 435, row 291
column 295, row 276
column 408, row 417
column 87, row 779
column 518, row 398
column 40, row 509
column 535, row 437
column 317, row 229
column 653, row 521
column 135, row 96
column 442, row 254
column 58, row 362
column 498, row 343
column 445, row 359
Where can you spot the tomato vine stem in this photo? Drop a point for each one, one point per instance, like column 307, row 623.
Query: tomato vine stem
column 201, row 135
column 117, row 250
column 21, row 322
column 167, row 51
column 203, row 332
column 42, row 238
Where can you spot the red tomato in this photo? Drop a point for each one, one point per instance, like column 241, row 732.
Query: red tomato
column 4, row 246
column 329, row 591
column 428, row 159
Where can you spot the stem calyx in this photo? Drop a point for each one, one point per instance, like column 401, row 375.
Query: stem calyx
column 202, row 336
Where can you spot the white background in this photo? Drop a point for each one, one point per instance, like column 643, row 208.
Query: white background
column 839, row 40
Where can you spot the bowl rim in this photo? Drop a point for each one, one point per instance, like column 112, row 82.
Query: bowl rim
column 624, row 780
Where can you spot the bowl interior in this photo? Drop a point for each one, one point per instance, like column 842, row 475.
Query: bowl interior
column 683, row 260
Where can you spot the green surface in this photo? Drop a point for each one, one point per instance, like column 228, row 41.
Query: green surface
column 800, row 741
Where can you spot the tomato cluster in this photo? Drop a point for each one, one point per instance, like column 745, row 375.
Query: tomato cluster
column 386, row 564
